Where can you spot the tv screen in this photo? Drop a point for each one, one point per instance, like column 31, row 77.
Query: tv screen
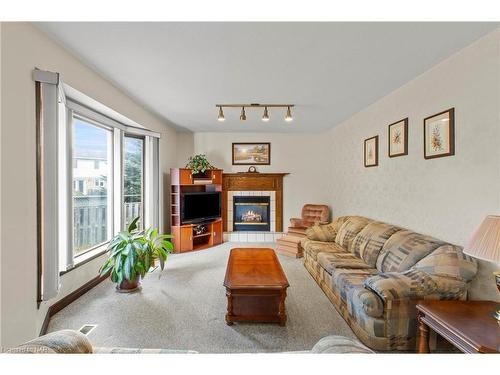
column 200, row 207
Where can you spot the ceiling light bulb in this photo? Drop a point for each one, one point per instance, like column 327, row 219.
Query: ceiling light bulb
column 288, row 116
column 221, row 115
column 243, row 115
column 265, row 117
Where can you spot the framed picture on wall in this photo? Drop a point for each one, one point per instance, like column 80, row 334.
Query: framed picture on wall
column 251, row 153
column 398, row 138
column 371, row 152
column 439, row 135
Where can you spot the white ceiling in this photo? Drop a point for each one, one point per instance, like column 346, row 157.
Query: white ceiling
column 329, row 70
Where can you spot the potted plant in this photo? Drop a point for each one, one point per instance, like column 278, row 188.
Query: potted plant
column 199, row 164
column 133, row 252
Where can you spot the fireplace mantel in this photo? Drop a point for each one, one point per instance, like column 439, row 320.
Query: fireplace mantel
column 246, row 181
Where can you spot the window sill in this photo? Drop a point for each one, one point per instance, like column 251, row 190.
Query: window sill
column 87, row 257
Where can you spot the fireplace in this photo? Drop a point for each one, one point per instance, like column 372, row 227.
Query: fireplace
column 251, row 213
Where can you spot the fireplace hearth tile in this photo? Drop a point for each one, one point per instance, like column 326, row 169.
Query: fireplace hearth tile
column 268, row 237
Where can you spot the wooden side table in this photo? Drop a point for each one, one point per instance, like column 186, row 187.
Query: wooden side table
column 468, row 325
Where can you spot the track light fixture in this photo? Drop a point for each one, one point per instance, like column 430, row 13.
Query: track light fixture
column 265, row 116
column 288, row 116
column 221, row 115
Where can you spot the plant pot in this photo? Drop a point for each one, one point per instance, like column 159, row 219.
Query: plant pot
column 128, row 286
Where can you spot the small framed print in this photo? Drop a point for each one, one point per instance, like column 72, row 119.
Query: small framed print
column 398, row 138
column 439, row 135
column 371, row 152
column 252, row 153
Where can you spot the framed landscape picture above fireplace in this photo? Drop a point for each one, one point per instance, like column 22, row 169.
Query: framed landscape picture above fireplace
column 251, row 153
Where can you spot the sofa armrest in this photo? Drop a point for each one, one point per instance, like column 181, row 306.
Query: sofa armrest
column 325, row 233
column 393, row 286
column 296, row 222
column 113, row 350
column 65, row 341
column 340, row 345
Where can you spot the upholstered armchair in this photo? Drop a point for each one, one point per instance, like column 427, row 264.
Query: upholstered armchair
column 312, row 214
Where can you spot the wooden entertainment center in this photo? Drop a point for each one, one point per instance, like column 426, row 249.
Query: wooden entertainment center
column 188, row 237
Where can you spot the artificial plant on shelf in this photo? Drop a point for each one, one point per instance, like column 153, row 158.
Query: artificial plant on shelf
column 133, row 252
column 199, row 164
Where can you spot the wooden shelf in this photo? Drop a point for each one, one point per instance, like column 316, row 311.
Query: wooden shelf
column 183, row 181
column 201, row 247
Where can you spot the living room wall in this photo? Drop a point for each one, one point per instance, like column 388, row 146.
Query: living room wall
column 301, row 155
column 445, row 197
column 23, row 48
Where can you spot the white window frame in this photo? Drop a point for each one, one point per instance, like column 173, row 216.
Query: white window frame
column 101, row 116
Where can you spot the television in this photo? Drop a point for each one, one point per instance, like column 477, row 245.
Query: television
column 200, row 207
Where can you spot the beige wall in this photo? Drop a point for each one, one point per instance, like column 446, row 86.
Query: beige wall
column 301, row 155
column 185, row 148
column 24, row 48
column 445, row 197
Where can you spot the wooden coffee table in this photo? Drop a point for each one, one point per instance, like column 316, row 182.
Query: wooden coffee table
column 255, row 286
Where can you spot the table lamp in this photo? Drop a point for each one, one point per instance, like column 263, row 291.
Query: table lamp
column 485, row 244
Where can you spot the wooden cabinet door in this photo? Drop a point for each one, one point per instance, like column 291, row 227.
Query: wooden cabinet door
column 186, row 238
column 185, row 177
column 216, row 177
column 217, row 232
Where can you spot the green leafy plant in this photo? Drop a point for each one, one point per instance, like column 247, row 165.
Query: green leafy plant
column 133, row 252
column 199, row 164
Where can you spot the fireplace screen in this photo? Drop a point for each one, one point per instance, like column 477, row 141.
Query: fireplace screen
column 251, row 214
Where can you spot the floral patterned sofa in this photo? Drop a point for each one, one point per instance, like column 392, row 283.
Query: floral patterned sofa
column 374, row 273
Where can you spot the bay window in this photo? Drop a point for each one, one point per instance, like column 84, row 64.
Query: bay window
column 113, row 177
column 96, row 171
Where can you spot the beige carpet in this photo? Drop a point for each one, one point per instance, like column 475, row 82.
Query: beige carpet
column 184, row 309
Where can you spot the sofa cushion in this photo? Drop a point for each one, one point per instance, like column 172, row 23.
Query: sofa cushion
column 352, row 226
column 326, row 232
column 312, row 248
column 331, row 261
column 369, row 242
column 449, row 261
column 404, row 249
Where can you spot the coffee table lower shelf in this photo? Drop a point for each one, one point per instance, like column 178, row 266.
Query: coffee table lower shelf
column 256, row 305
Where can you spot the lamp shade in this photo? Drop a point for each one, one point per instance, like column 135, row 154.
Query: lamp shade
column 485, row 241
